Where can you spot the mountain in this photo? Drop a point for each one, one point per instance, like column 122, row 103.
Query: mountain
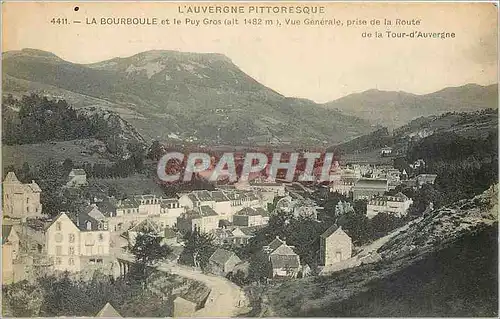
column 444, row 265
column 393, row 109
column 183, row 96
column 476, row 125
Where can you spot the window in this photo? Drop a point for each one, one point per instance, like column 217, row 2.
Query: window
column 71, row 262
column 71, row 250
column 71, row 238
column 89, row 225
column 58, row 250
column 58, row 226
column 100, row 237
column 58, row 237
column 27, row 200
column 58, row 261
column 99, row 261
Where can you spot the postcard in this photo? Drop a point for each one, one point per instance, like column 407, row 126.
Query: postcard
column 249, row 159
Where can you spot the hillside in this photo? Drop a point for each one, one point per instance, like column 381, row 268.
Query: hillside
column 445, row 265
column 475, row 125
column 393, row 109
column 187, row 96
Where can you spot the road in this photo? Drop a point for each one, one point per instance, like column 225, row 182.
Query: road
column 225, row 296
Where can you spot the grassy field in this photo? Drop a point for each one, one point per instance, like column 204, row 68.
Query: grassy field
column 79, row 151
column 134, row 185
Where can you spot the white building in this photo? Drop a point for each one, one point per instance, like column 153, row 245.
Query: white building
column 225, row 203
column 21, row 200
column 396, row 205
column 248, row 217
column 203, row 218
column 77, row 178
column 335, row 246
column 132, row 211
column 74, row 245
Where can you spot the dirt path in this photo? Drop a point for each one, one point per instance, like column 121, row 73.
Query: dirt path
column 226, row 298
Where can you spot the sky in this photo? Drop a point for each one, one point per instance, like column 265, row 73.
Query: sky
column 321, row 63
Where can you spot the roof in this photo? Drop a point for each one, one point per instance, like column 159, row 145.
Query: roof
column 247, row 211
column 401, row 196
column 145, row 226
column 83, row 219
column 427, row 176
column 170, row 233
column 371, row 183
column 250, row 231
column 108, row 311
column 272, row 184
column 207, row 211
column 107, row 207
column 261, row 211
column 232, row 195
column 221, row 256
column 275, row 244
column 285, row 261
column 34, row 187
column 11, row 178
column 203, row 195
column 219, row 196
column 94, row 212
column 78, row 171
column 6, row 229
column 332, row 229
column 128, row 203
column 199, row 212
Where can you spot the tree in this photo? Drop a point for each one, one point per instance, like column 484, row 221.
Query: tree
column 155, row 151
column 198, row 248
column 67, row 166
column 148, row 250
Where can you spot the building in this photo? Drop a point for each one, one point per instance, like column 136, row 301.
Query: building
column 21, row 200
column 77, row 178
column 10, row 252
column 275, row 189
column 343, row 186
column 203, row 218
column 283, row 260
column 396, row 205
column 73, row 245
column 335, row 246
column 386, row 151
column 248, row 217
column 169, row 211
column 148, row 204
column 108, row 311
column 425, row 179
column 367, row 188
column 131, row 211
column 222, row 262
column 225, row 203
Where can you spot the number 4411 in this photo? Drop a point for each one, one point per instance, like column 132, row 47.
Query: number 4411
column 59, row 21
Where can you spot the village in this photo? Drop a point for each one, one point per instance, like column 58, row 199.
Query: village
column 100, row 236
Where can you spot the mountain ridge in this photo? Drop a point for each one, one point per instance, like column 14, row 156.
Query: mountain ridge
column 201, row 97
column 396, row 108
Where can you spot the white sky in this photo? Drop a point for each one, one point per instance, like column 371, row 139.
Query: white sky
column 320, row 63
